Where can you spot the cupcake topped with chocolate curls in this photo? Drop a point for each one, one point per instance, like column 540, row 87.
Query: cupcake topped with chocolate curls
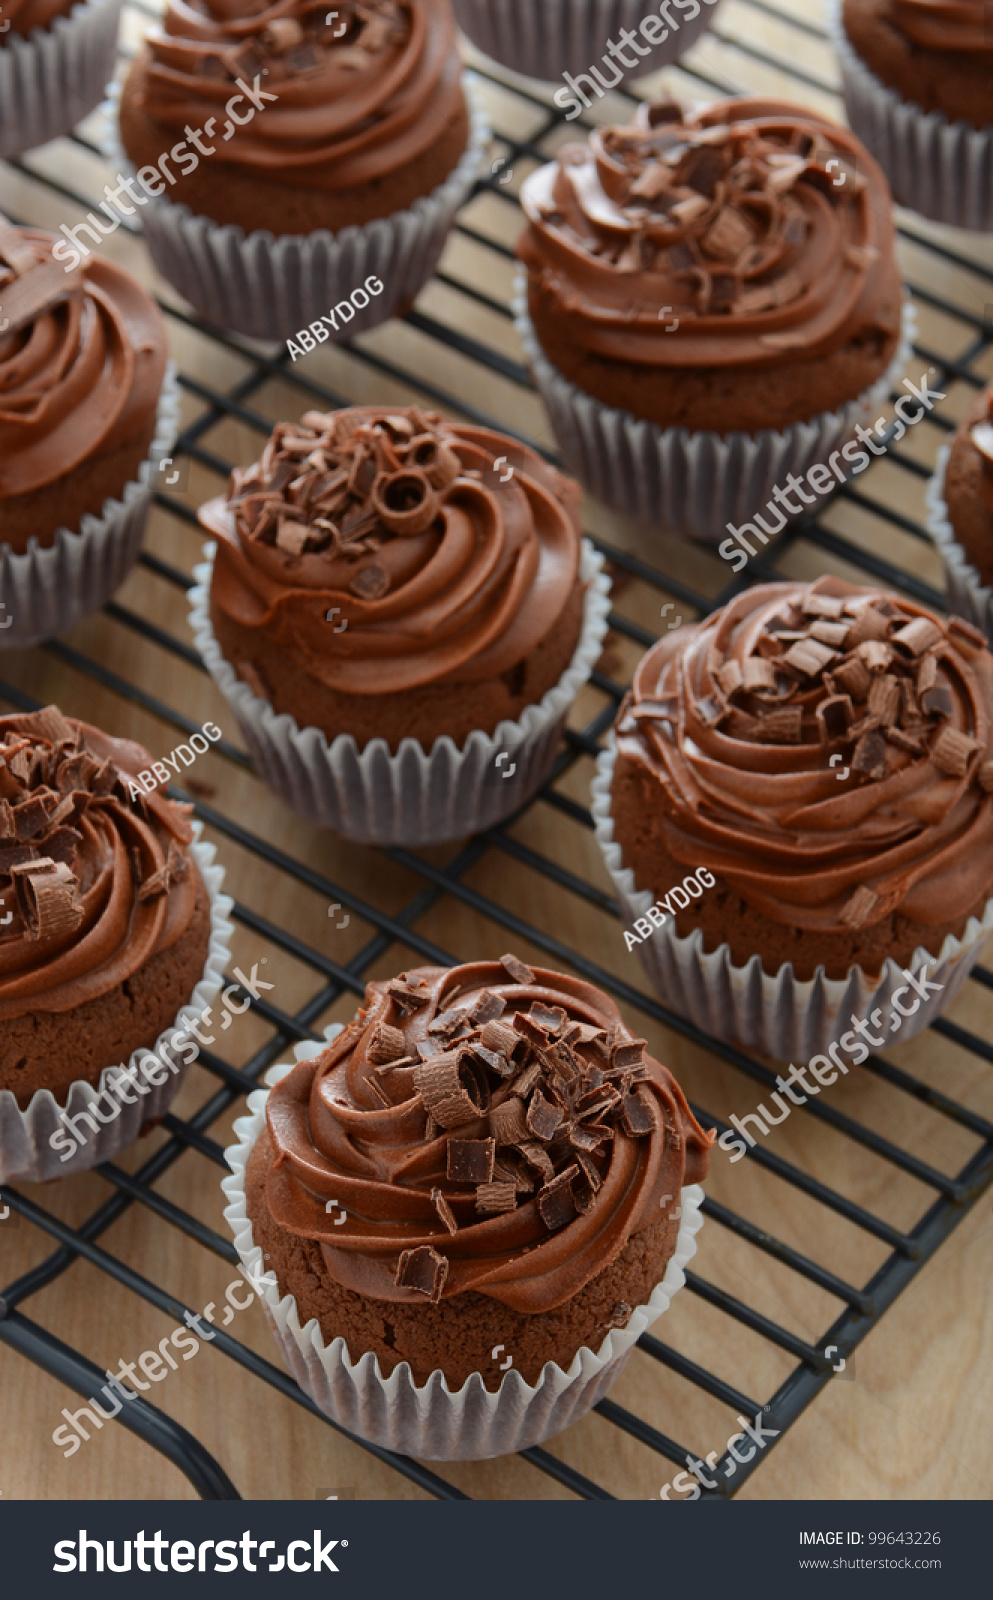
column 827, row 752
column 386, row 573
column 104, row 919
column 729, row 268
column 499, row 1142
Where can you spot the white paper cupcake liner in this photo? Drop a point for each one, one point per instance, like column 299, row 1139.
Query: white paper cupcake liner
column 429, row 1421
column 54, row 78
column 547, row 38
column 941, row 169
column 968, row 596
column 415, row 797
column 270, row 287
column 46, row 590
column 783, row 1017
column 678, row 481
column 25, row 1150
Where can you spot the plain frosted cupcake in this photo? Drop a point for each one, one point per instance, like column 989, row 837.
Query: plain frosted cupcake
column 55, row 59
column 108, row 925
column 86, row 414
column 825, row 753
column 482, row 1163
column 960, row 498
column 712, row 298
column 302, row 148
column 593, row 44
column 917, row 77
column 412, row 594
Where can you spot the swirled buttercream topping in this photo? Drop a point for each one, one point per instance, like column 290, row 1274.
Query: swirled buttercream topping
column 82, row 360
column 443, row 566
column 485, row 1127
column 947, row 25
column 756, row 228
column 982, row 437
column 737, row 719
column 358, row 92
column 91, row 885
column 26, row 15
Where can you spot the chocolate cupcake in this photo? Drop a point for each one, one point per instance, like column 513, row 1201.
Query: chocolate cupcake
column 593, row 45
column 87, row 411
column 917, row 77
column 111, row 919
column 55, row 59
column 713, row 301
column 395, row 599
column 503, row 1152
column 960, row 501
column 329, row 148
column 824, row 753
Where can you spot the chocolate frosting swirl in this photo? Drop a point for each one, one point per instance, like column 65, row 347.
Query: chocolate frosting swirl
column 735, row 717
column 26, row 15
column 762, row 228
column 81, row 361
column 947, row 25
column 357, row 97
column 571, row 1137
column 91, row 885
column 443, row 571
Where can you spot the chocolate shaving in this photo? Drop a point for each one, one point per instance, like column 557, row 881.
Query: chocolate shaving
column 507, row 1122
column 875, row 654
column 870, row 754
column 826, row 606
column 551, row 1018
column 952, row 752
column 517, row 970
column 927, row 673
column 758, row 674
column 784, row 726
column 537, row 1157
column 859, row 910
column 471, row 1160
column 556, row 1203
column 869, row 624
column 452, row 1089
column 523, row 1085
column 937, row 701
column 406, row 997
column 497, row 1036
column 543, row 1118
column 917, row 636
column 422, row 1269
column 885, row 699
column 444, row 1210
column 492, row 1199
column 834, row 717
column 638, row 1114
column 903, row 740
column 387, row 1044
column 487, row 1008
column 809, row 657
column 47, row 898
column 853, row 677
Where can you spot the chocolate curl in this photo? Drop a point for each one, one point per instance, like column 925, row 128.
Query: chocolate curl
column 453, row 1089
column 438, row 462
column 47, row 898
column 387, row 1044
column 405, row 502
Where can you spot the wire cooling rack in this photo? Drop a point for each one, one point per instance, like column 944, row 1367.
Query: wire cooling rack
column 462, row 324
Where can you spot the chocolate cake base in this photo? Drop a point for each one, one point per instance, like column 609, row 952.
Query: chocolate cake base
column 456, row 1335
column 250, row 198
column 425, row 713
column 50, row 1050
column 952, row 82
column 968, row 512
column 726, row 399
column 724, row 917
column 63, row 502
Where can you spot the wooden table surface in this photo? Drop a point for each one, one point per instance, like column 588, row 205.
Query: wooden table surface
column 912, row 1416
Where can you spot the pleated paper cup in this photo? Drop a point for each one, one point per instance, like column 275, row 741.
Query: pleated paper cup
column 678, row 481
column 430, row 1421
column 547, row 38
column 783, row 1017
column 968, row 595
column 47, row 589
column 941, row 169
column 415, row 797
column 25, row 1149
column 55, row 77
column 273, row 287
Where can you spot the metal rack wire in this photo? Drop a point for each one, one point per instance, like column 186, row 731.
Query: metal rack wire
column 908, row 1248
